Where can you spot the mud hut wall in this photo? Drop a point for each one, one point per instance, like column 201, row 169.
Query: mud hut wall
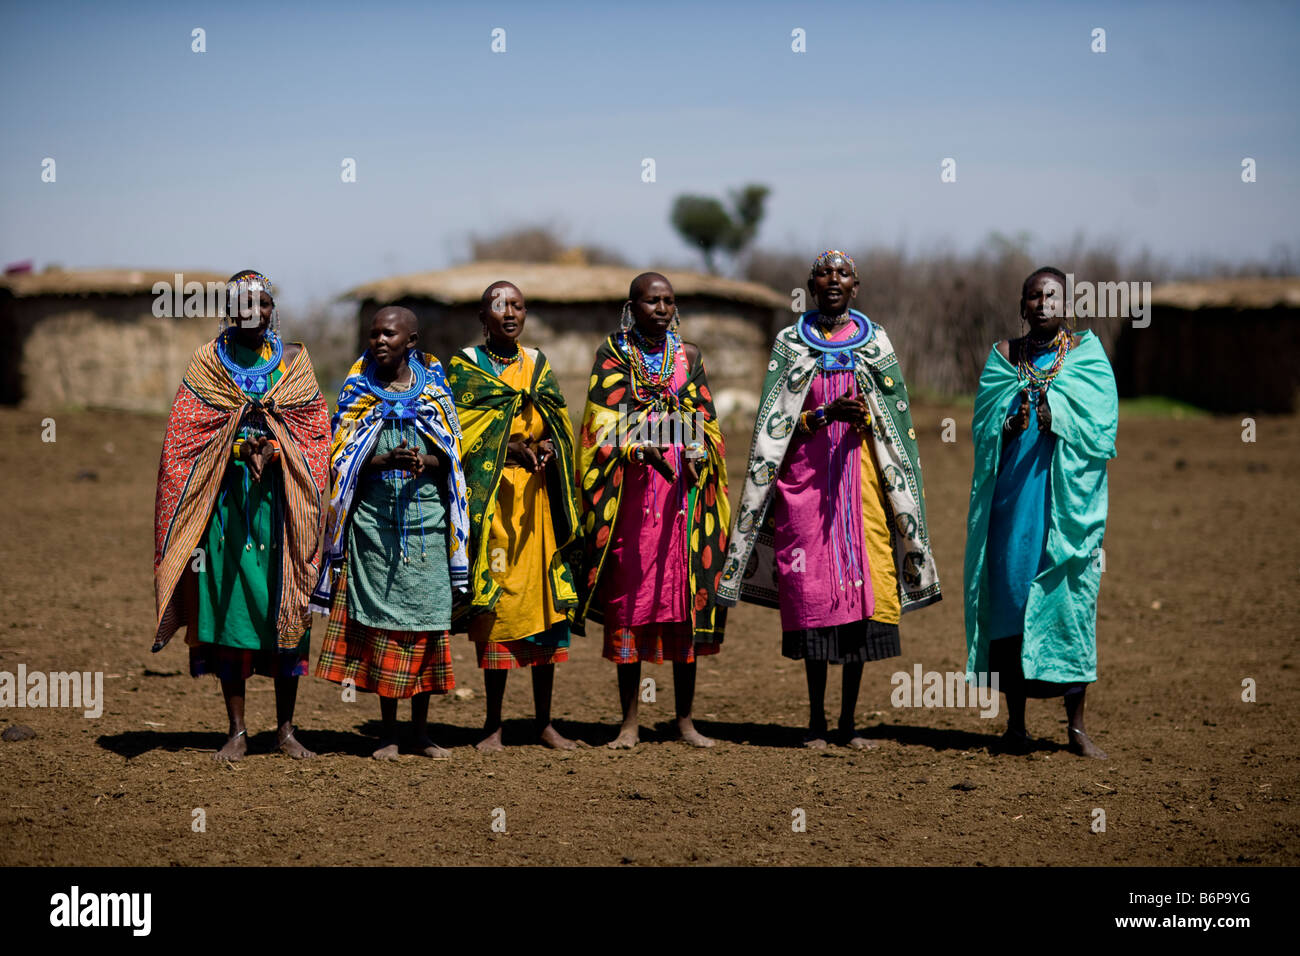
column 734, row 337
column 99, row 351
column 1209, row 357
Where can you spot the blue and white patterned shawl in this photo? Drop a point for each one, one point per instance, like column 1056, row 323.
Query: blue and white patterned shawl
column 363, row 408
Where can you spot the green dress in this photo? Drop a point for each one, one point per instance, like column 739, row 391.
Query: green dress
column 384, row 591
column 239, row 580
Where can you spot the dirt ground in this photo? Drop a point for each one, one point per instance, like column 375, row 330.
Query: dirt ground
column 1200, row 593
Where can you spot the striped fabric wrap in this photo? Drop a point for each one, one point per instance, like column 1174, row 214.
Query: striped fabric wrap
column 201, row 429
column 357, row 423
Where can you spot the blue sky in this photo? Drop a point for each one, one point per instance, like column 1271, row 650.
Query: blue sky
column 231, row 158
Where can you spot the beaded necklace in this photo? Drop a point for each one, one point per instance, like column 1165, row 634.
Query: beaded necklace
column 1040, row 378
column 253, row 381
column 836, row 368
column 834, row 356
column 256, row 378
column 401, row 409
column 500, row 363
column 651, row 385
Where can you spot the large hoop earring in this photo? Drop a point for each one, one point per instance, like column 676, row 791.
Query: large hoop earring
column 625, row 323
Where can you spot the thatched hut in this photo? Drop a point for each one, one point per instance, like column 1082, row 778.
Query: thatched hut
column 91, row 338
column 1228, row 345
column 572, row 307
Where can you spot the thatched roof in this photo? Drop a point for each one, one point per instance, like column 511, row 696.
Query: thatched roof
column 1229, row 294
column 84, row 282
column 548, row 282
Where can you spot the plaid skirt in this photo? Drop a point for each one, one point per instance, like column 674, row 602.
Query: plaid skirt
column 547, row 647
column 387, row 662
column 507, row 655
column 654, row 644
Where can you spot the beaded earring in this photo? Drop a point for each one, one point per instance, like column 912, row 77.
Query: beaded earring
column 677, row 319
column 626, row 323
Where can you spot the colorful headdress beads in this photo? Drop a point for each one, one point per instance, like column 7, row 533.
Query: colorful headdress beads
column 828, row 258
column 241, row 289
column 248, row 284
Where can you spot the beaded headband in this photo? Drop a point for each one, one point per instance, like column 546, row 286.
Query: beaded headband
column 828, row 257
column 250, row 283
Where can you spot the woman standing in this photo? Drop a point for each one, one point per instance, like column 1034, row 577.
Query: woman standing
column 524, row 530
column 831, row 525
column 396, row 534
column 237, row 517
column 1046, row 415
column 653, row 477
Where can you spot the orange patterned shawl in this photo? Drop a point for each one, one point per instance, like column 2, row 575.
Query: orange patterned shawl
column 196, row 452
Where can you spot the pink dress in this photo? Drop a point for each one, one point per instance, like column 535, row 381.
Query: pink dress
column 644, row 583
column 821, row 558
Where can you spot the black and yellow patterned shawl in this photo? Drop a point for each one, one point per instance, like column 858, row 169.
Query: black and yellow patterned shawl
column 486, row 406
column 602, row 456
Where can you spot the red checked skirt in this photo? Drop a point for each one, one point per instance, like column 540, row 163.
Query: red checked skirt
column 386, row 662
column 654, row 644
column 507, row 655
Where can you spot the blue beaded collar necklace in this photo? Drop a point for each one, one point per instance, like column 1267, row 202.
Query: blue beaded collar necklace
column 835, row 356
column 400, row 404
column 257, row 378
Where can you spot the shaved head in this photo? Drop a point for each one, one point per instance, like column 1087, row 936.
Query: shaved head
column 643, row 280
column 403, row 319
column 490, row 294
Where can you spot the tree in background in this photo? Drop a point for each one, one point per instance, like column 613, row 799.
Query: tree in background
column 707, row 224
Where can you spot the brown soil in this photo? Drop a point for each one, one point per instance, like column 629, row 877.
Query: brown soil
column 1200, row 592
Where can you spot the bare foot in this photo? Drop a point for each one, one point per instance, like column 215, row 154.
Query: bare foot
column 628, row 737
column 858, row 742
column 290, row 747
column 555, row 740
column 815, row 740
column 491, row 744
column 1082, row 745
column 429, row 749
column 686, row 728
column 387, row 752
column 235, row 747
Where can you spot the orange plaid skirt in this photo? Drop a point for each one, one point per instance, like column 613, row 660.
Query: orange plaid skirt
column 654, row 644
column 507, row 655
column 386, row 662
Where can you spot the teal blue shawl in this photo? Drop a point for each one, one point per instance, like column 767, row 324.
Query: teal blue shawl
column 1060, row 638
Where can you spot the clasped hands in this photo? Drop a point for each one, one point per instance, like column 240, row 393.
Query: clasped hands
column 848, row 408
column 532, row 455
column 656, row 456
column 1018, row 420
column 257, row 452
column 405, row 458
